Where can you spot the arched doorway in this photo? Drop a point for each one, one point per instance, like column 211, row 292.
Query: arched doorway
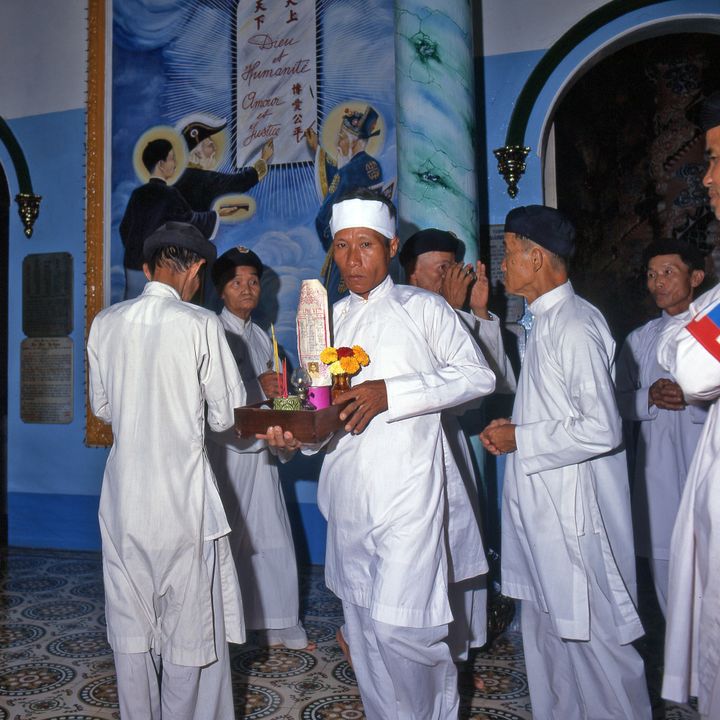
column 624, row 160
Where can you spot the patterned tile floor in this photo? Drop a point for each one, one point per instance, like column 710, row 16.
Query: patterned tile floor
column 55, row 663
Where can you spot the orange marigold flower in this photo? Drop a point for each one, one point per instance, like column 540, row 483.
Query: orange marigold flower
column 360, row 355
column 344, row 359
column 350, row 365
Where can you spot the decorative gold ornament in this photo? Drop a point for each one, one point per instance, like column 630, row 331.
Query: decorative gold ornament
column 511, row 165
column 28, row 209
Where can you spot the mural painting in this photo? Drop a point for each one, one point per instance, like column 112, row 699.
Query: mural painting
column 247, row 119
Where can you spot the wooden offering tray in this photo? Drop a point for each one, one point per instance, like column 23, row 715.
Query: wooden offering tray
column 308, row 426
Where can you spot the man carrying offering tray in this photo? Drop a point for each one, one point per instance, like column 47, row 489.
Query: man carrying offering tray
column 386, row 556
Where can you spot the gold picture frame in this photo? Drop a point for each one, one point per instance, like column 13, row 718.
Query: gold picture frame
column 97, row 433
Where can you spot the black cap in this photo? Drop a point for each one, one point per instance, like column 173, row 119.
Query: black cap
column 180, row 235
column 430, row 240
column 361, row 124
column 224, row 269
column 709, row 115
column 545, row 226
column 195, row 132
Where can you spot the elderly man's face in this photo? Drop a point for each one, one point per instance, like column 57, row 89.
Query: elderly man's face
column 343, row 143
column 712, row 177
column 517, row 266
column 363, row 258
column 208, row 148
column 241, row 293
column 430, row 269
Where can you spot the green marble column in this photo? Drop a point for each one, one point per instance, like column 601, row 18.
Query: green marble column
column 437, row 184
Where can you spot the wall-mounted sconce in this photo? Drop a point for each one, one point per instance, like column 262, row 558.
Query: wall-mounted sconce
column 28, row 209
column 511, row 165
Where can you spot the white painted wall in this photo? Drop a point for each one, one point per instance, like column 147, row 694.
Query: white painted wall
column 510, row 26
column 42, row 56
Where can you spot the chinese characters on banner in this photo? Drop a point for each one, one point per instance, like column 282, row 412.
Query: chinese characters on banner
column 313, row 330
column 276, row 78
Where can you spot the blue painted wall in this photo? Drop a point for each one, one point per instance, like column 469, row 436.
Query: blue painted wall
column 53, row 479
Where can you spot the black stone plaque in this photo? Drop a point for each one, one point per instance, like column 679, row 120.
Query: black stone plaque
column 47, row 294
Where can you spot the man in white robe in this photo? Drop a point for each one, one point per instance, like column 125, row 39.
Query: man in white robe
column 691, row 353
column 247, row 472
column 567, row 545
column 157, row 366
column 429, row 260
column 382, row 484
column 669, row 428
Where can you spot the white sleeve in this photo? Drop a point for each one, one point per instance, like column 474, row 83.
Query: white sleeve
column 220, row 378
column 462, row 373
column 592, row 426
column 488, row 335
column 99, row 403
column 696, row 370
column 632, row 397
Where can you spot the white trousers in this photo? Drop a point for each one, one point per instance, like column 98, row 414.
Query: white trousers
column 468, row 603
column 597, row 679
column 403, row 673
column 150, row 689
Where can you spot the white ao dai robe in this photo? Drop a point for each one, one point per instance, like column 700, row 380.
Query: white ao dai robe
column 568, row 431
column 383, row 491
column 666, row 442
column 467, row 556
column 249, row 484
column 155, row 364
column 692, row 637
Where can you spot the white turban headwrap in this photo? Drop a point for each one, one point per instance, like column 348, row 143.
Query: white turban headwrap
column 354, row 213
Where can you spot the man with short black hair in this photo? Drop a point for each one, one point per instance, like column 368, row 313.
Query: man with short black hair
column 669, row 428
column 567, row 545
column 159, row 368
column 691, row 353
column 150, row 206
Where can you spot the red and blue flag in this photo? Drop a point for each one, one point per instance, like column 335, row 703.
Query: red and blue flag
column 706, row 330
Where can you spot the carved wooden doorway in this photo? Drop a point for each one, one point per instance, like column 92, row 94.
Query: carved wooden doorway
column 628, row 165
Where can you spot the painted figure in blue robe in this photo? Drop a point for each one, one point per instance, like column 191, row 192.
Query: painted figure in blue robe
column 352, row 167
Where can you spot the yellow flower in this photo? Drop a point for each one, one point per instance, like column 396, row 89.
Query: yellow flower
column 360, row 355
column 350, row 365
column 340, row 360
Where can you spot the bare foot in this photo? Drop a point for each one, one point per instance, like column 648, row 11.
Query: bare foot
column 343, row 646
